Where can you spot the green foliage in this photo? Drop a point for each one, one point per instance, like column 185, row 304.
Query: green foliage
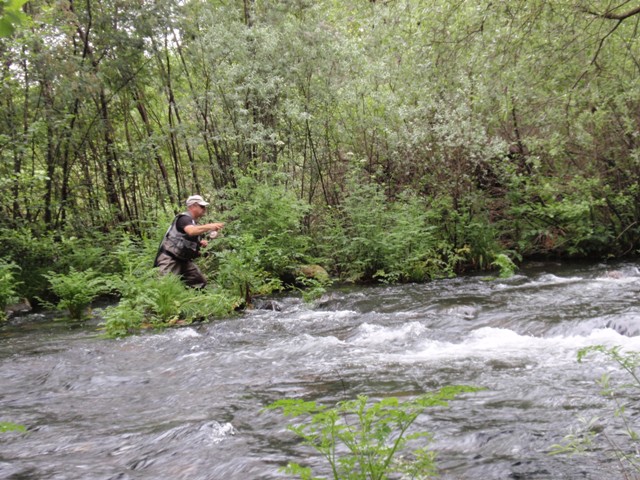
column 162, row 301
column 151, row 300
column 468, row 239
column 241, row 268
column 11, row 427
column 369, row 238
column 123, row 319
column 132, row 261
column 312, row 288
column 11, row 16
column 8, row 285
column 88, row 251
column 267, row 217
column 361, row 441
column 35, row 255
column 165, row 300
column 505, row 265
column 76, row 290
column 562, row 218
column 580, row 440
column 262, row 241
column 585, row 438
column 294, row 111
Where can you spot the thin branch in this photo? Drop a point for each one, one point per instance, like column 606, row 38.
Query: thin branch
column 595, row 56
column 614, row 16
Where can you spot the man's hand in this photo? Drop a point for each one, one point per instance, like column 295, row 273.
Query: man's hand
column 215, row 226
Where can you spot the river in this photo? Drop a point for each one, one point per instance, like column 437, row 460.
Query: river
column 187, row 403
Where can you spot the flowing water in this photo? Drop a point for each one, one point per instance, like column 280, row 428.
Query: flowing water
column 187, row 403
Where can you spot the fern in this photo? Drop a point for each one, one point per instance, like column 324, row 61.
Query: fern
column 76, row 290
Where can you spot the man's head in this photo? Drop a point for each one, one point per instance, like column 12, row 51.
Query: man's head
column 196, row 206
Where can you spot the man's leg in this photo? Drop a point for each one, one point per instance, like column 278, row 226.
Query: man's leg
column 167, row 264
column 192, row 276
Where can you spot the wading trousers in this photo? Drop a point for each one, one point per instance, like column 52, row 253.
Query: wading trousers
column 185, row 269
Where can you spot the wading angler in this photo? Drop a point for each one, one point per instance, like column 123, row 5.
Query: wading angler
column 182, row 242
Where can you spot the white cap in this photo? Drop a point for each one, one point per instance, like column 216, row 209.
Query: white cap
column 196, row 199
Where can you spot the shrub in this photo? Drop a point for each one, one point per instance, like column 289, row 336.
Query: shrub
column 8, row 285
column 369, row 237
column 34, row 255
column 559, row 217
column 151, row 300
column 241, row 268
column 505, row 265
column 123, row 319
column 312, row 287
column 162, row 301
column 76, row 290
column 361, row 441
column 272, row 214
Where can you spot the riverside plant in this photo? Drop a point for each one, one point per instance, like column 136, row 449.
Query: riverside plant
column 162, row 301
column 367, row 441
column 585, row 438
column 11, row 427
column 240, row 270
column 8, row 286
column 76, row 290
column 505, row 265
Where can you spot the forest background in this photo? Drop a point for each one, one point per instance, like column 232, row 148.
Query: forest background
column 395, row 141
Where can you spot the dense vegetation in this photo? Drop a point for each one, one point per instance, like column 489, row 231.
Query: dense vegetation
column 396, row 140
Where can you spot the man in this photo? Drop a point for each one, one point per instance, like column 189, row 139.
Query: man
column 182, row 242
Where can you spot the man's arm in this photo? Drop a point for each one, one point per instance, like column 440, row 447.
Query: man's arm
column 195, row 230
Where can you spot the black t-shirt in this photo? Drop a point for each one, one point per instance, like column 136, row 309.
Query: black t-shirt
column 183, row 221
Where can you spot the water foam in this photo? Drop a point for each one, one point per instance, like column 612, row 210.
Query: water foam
column 370, row 334
column 489, row 343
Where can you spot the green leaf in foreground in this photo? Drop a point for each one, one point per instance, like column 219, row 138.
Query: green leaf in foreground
column 11, row 427
column 362, row 440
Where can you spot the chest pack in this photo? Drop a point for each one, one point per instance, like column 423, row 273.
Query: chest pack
column 178, row 244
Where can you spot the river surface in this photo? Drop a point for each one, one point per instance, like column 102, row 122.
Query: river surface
column 187, row 403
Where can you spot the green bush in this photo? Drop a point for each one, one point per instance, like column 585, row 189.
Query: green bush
column 123, row 319
column 34, row 254
column 241, row 267
column 148, row 299
column 505, row 265
column 76, row 290
column 555, row 216
column 8, row 285
column 369, row 237
column 271, row 214
column 361, row 441
column 164, row 303
column 312, row 288
column 83, row 253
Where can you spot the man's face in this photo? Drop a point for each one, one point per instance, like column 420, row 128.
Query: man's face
column 197, row 210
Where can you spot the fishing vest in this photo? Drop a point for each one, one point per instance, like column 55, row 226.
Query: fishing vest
column 180, row 245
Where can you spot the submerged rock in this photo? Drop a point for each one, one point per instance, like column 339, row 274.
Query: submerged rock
column 20, row 308
column 314, row 271
column 267, row 304
column 615, row 274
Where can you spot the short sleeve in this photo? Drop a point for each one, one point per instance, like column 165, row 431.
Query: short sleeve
column 182, row 222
